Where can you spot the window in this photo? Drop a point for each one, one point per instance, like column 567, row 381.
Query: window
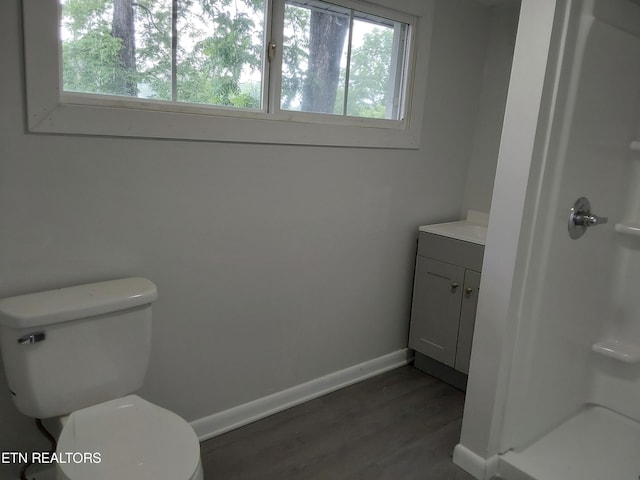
column 203, row 62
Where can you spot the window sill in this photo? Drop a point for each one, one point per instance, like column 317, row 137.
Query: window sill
column 249, row 128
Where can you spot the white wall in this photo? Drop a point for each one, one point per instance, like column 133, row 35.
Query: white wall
column 275, row 265
column 613, row 112
column 495, row 83
column 553, row 372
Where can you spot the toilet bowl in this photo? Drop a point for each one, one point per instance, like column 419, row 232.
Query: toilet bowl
column 127, row 438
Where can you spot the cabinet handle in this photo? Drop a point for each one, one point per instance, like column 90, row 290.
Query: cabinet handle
column 454, row 286
column 468, row 291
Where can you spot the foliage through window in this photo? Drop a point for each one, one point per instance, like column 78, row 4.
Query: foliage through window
column 206, row 52
column 328, row 58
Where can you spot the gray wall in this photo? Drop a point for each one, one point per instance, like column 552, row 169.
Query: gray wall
column 493, row 98
column 275, row 264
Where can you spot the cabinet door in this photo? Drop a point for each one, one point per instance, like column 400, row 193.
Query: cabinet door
column 467, row 320
column 435, row 313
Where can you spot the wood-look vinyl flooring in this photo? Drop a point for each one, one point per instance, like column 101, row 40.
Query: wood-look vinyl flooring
column 401, row 425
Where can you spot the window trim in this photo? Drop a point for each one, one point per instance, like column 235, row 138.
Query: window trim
column 50, row 110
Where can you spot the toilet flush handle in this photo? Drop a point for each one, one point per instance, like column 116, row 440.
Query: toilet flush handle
column 32, row 338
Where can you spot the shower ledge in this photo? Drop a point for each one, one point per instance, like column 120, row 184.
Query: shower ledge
column 628, row 228
column 624, row 352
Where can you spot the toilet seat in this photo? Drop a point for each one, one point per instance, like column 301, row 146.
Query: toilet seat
column 135, row 439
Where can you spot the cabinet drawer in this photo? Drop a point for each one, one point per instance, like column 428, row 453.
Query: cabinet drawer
column 450, row 250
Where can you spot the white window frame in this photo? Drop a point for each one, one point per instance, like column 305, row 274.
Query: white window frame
column 51, row 110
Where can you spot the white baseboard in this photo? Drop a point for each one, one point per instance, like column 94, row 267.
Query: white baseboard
column 235, row 417
column 479, row 467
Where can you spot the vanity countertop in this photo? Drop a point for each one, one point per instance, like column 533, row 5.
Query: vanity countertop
column 472, row 229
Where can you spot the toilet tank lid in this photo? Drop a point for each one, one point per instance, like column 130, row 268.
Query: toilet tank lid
column 70, row 303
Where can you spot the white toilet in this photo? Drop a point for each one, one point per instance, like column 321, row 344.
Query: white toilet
column 77, row 353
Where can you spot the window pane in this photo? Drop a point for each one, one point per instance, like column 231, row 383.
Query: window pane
column 315, row 52
column 152, row 48
column 372, row 89
column 220, row 53
column 324, row 63
column 124, row 47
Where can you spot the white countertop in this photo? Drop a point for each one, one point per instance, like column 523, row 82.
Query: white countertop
column 473, row 229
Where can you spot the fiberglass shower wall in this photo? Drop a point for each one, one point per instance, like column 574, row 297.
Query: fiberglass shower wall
column 578, row 293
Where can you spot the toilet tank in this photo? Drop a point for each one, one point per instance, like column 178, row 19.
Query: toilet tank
column 73, row 347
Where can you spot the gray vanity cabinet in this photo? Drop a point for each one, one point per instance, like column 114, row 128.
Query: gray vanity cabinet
column 445, row 297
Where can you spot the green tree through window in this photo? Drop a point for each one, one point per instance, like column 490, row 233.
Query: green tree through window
column 334, row 60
